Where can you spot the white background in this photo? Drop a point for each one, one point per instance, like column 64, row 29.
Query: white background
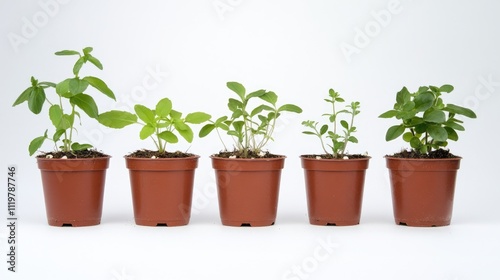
column 187, row 51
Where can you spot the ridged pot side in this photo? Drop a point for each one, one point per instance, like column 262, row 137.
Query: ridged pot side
column 162, row 190
column 248, row 190
column 334, row 189
column 423, row 190
column 73, row 190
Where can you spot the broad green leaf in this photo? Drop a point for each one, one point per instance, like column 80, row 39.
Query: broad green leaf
column 460, row 110
column 23, row 97
column 424, row 101
column 169, row 137
column 87, row 50
column 86, row 103
column 187, row 134
column 94, row 61
column 175, row 114
column 353, row 139
column 80, row 147
column 260, row 108
column 421, row 128
column 437, row 132
column 323, row 129
column 78, row 65
column 408, row 106
column 62, row 88
column 234, row 104
column 394, row 132
column 180, row 125
column 220, row 120
column 290, row 108
column 454, row 125
column 197, row 117
column 67, row 52
column 452, row 134
column 270, row 97
column 435, row 116
column 67, row 121
column 415, row 143
column 77, row 86
column 100, row 86
column 58, row 134
column 415, row 121
column 236, row 114
column 344, row 124
column 403, row 96
column 163, row 107
column 446, row 88
column 117, row 119
column 258, row 93
column 36, row 100
column 35, row 144
column 146, row 131
column 422, row 89
column 55, row 115
column 237, row 88
column 238, row 126
column 434, row 89
column 407, row 136
column 145, row 114
column 388, row 114
column 205, row 130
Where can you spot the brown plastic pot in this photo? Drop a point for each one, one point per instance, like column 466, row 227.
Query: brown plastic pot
column 73, row 190
column 248, row 190
column 422, row 190
column 162, row 190
column 334, row 189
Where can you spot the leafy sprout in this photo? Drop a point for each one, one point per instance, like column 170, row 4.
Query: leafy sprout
column 426, row 122
column 64, row 110
column 250, row 127
column 160, row 124
column 339, row 140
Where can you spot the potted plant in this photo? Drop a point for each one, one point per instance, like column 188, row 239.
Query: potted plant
column 73, row 175
column 248, row 177
column 423, row 177
column 161, row 181
column 335, row 179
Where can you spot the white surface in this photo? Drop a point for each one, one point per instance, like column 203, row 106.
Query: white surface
column 294, row 49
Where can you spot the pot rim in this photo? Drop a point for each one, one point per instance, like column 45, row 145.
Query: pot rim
column 334, row 159
column 72, row 159
column 422, row 159
column 280, row 157
column 160, row 159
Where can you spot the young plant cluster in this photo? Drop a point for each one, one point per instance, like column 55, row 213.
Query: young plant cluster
column 339, row 140
column 426, row 123
column 160, row 124
column 69, row 102
column 251, row 128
